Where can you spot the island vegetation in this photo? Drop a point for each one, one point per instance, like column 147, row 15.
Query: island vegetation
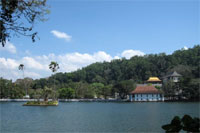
column 46, row 92
column 103, row 80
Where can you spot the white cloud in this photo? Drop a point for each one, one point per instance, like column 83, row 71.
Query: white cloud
column 130, row 53
column 61, row 35
column 16, row 74
column 9, row 70
column 185, row 48
column 38, row 66
column 8, row 63
column 73, row 61
column 102, row 56
column 9, row 47
column 30, row 62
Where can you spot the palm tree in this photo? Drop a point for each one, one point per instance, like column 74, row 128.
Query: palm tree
column 54, row 67
column 21, row 67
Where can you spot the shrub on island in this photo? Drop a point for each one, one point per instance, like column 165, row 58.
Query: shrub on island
column 46, row 94
column 41, row 103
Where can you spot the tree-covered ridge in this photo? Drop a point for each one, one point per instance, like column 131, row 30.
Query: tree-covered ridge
column 103, row 80
column 138, row 68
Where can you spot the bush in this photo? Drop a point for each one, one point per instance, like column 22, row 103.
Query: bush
column 187, row 123
column 47, row 93
column 158, row 87
column 66, row 93
column 42, row 103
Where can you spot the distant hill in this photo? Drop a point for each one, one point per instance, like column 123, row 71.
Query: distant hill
column 138, row 68
column 103, row 80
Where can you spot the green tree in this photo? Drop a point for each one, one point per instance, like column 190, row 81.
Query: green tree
column 89, row 92
column 106, row 91
column 124, row 88
column 37, row 94
column 97, row 87
column 190, row 88
column 169, row 89
column 66, row 93
column 21, row 67
column 80, row 89
column 47, row 93
column 54, row 67
column 16, row 92
column 18, row 17
column 10, row 90
column 5, row 88
column 39, row 83
column 26, row 82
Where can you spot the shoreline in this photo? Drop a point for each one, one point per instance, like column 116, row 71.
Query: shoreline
column 92, row 100
column 66, row 100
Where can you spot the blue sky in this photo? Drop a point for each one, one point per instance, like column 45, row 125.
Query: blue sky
column 81, row 32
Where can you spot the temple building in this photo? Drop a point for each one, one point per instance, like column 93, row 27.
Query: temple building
column 154, row 81
column 146, row 93
column 174, row 76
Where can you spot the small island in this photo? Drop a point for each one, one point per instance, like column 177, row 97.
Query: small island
column 46, row 93
column 41, row 103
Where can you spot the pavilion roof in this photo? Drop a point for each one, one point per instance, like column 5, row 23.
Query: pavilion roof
column 154, row 79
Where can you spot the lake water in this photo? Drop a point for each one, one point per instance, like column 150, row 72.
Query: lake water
column 92, row 116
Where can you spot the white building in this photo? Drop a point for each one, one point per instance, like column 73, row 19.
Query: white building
column 174, row 76
column 146, row 93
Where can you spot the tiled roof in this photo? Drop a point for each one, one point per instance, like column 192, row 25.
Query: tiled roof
column 145, row 90
column 153, row 79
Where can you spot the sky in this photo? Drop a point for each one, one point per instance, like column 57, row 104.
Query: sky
column 82, row 32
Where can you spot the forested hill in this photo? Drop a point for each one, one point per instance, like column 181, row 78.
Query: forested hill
column 138, row 68
column 121, row 76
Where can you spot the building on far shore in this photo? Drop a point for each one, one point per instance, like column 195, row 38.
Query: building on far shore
column 174, row 76
column 146, row 93
column 154, row 81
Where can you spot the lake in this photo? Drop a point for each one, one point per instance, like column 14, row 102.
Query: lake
column 92, row 116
